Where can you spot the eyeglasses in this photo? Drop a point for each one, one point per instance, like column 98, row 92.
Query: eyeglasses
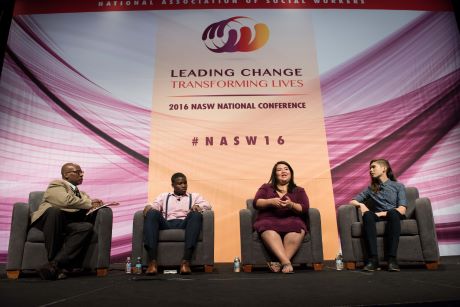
column 76, row 172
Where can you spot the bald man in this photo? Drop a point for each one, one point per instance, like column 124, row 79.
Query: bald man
column 62, row 218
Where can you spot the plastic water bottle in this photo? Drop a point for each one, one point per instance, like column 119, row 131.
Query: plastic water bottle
column 236, row 265
column 128, row 265
column 339, row 262
column 138, row 265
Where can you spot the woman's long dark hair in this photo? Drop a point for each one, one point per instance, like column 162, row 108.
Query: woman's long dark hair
column 375, row 182
column 274, row 183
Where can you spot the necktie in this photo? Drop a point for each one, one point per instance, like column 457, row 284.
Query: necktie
column 77, row 192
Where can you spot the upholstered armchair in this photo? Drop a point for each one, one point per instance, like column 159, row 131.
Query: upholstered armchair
column 171, row 243
column 418, row 242
column 26, row 250
column 253, row 252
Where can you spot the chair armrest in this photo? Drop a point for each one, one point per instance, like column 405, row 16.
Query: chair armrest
column 103, row 228
column 347, row 215
column 246, row 231
column 18, row 235
column 427, row 229
column 246, row 228
column 208, row 236
column 208, row 225
column 314, row 217
column 138, row 235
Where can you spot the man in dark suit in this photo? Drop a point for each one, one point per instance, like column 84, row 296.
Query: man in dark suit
column 62, row 218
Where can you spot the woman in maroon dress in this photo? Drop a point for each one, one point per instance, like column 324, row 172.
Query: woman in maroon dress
column 280, row 204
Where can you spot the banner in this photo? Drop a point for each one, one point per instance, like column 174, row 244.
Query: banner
column 56, row 6
column 225, row 111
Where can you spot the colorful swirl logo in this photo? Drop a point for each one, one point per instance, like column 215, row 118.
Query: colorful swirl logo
column 236, row 34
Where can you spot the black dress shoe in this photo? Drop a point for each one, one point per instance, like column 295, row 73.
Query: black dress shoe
column 371, row 266
column 393, row 266
column 48, row 271
column 61, row 275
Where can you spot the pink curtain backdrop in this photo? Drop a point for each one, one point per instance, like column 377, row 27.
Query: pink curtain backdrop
column 400, row 100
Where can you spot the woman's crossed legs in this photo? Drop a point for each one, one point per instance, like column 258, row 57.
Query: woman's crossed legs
column 284, row 248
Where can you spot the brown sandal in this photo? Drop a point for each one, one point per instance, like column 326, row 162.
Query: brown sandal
column 274, row 266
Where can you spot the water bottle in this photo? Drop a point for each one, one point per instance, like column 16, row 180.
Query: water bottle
column 128, row 265
column 339, row 262
column 236, row 265
column 138, row 266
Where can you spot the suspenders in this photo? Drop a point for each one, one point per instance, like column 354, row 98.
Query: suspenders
column 167, row 200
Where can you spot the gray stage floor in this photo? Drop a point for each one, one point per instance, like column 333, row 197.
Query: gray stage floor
column 413, row 285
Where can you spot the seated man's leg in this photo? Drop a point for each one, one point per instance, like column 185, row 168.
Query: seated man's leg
column 392, row 234
column 153, row 223
column 78, row 237
column 370, row 237
column 192, row 225
column 52, row 223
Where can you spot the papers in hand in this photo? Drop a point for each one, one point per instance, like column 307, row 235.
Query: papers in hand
column 104, row 205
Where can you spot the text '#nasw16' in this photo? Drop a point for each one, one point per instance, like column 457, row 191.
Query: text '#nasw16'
column 248, row 140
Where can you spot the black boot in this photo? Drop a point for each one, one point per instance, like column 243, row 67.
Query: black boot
column 372, row 265
column 393, row 265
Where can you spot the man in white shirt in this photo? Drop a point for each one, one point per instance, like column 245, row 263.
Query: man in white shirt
column 177, row 210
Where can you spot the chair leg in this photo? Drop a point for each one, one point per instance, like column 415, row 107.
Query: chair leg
column 432, row 265
column 208, row 268
column 102, row 272
column 350, row 265
column 13, row 274
column 317, row 266
column 247, row 268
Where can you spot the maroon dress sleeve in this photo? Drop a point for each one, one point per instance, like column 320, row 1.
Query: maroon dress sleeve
column 302, row 199
column 262, row 193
